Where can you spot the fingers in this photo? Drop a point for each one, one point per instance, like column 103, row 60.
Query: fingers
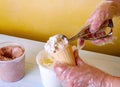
column 100, row 16
column 97, row 19
column 106, row 10
column 67, row 74
column 95, row 25
column 108, row 40
column 60, row 69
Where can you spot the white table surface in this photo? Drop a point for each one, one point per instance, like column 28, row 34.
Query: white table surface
column 107, row 63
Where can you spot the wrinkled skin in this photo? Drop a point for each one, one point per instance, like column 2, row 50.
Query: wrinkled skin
column 106, row 10
column 82, row 75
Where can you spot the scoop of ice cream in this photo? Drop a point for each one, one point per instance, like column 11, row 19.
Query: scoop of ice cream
column 56, row 43
column 10, row 52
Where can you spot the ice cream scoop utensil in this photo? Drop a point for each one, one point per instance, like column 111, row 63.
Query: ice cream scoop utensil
column 87, row 35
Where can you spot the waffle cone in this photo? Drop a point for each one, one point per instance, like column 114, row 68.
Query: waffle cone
column 65, row 55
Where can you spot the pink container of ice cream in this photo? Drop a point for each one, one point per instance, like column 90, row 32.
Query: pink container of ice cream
column 12, row 61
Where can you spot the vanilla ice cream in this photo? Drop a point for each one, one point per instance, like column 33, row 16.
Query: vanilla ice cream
column 58, row 46
column 56, row 43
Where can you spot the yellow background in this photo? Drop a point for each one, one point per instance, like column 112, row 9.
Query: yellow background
column 40, row 19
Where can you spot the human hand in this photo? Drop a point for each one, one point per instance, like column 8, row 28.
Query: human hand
column 82, row 75
column 100, row 16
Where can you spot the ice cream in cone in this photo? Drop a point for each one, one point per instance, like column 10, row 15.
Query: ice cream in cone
column 59, row 47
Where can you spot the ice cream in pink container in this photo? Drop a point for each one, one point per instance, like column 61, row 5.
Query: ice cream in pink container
column 12, row 61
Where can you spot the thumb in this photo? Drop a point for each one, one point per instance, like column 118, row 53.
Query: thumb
column 79, row 61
